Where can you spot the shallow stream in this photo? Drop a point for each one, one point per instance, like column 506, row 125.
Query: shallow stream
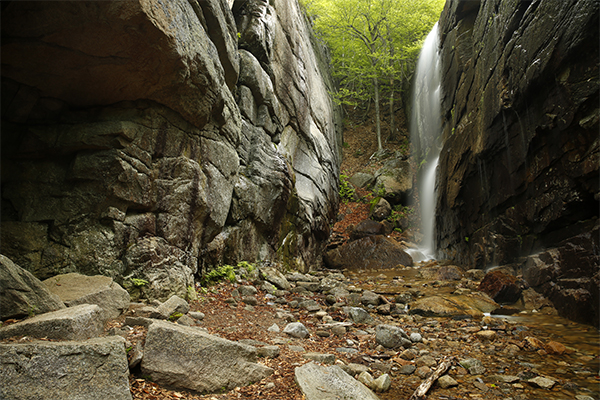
column 579, row 365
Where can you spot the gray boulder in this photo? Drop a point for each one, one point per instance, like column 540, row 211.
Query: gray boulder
column 22, row 294
column 73, row 323
column 74, row 289
column 330, row 383
column 189, row 358
column 275, row 277
column 174, row 304
column 361, row 180
column 391, row 336
column 395, row 177
column 359, row 315
column 94, row 369
column 297, row 330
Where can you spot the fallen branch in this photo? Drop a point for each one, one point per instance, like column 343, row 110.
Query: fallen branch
column 424, row 387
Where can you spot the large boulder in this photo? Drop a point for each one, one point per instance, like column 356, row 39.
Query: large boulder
column 395, row 179
column 190, row 358
column 500, row 286
column 73, row 323
column 95, row 369
column 22, row 294
column 330, row 383
column 371, row 252
column 74, row 289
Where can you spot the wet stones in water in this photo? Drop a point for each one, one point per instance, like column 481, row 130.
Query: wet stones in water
column 501, row 287
column 473, row 365
column 447, row 381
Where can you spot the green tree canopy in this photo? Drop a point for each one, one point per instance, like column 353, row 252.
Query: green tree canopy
column 374, row 44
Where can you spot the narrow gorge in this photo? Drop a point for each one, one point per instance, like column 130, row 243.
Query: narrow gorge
column 181, row 178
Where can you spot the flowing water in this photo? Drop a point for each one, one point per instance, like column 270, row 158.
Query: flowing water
column 579, row 365
column 425, row 126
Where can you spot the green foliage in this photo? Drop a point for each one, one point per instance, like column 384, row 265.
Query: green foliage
column 219, row 273
column 249, row 267
column 31, row 310
column 372, row 40
column 346, row 189
column 399, row 212
column 467, row 239
column 138, row 282
column 175, row 316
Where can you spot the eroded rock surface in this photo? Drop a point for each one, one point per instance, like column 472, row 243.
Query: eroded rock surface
column 93, row 369
column 520, row 131
column 143, row 141
column 190, row 358
column 22, row 294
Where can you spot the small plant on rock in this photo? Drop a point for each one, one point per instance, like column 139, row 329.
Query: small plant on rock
column 175, row 316
column 346, row 189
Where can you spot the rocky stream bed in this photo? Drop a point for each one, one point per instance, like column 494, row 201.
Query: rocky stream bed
column 389, row 329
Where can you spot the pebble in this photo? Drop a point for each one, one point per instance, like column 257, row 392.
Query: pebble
column 447, row 381
column 273, row 328
column 382, row 384
column 196, row 315
column 540, row 381
column 416, row 337
column 298, row 349
column 423, row 372
column 487, row 335
column 366, row 379
column 481, row 386
column 323, row 333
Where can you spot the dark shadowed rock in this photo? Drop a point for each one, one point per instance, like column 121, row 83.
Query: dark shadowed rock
column 375, row 252
column 511, row 186
column 95, row 369
column 381, row 210
column 189, row 358
column 23, row 294
column 365, row 228
column 501, row 287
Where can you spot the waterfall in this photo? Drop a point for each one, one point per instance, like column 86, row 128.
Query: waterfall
column 425, row 127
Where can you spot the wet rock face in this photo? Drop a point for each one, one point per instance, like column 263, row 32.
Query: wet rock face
column 139, row 141
column 519, row 166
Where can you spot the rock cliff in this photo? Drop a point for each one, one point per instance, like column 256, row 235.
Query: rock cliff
column 519, row 167
column 154, row 139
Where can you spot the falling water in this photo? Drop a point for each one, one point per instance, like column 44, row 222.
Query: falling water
column 425, row 133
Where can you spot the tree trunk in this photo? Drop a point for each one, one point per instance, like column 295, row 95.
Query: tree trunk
column 392, row 136
column 377, row 114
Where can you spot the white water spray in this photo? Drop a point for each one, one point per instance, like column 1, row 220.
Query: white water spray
column 425, row 132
